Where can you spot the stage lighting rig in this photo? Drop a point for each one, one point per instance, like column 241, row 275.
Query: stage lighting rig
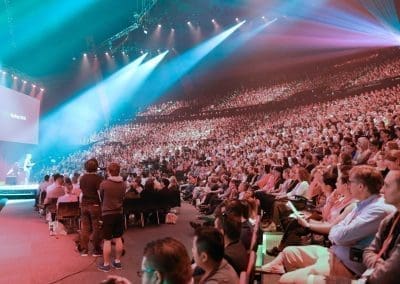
column 144, row 7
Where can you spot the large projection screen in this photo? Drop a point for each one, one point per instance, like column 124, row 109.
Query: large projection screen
column 19, row 117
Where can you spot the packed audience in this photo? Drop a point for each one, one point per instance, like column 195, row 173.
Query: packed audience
column 163, row 108
column 328, row 159
column 327, row 175
column 340, row 77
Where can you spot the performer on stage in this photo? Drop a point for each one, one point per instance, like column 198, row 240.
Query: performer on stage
column 28, row 167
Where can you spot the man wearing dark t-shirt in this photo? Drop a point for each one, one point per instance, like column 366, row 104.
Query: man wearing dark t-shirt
column 90, row 209
column 112, row 191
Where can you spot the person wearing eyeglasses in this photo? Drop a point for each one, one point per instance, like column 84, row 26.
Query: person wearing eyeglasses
column 165, row 261
column 349, row 237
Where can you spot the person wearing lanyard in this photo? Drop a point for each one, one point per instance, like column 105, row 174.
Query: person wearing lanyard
column 382, row 257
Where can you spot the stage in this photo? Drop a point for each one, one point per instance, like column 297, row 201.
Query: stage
column 21, row 191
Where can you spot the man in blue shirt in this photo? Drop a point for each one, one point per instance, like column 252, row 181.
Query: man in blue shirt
column 349, row 237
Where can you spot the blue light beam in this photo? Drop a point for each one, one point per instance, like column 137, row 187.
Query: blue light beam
column 88, row 112
column 173, row 71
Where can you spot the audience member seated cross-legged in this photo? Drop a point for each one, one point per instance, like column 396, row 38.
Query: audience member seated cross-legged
column 349, row 237
column 315, row 226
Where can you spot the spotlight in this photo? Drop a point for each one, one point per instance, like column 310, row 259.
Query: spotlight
column 33, row 86
column 237, row 19
column 159, row 25
column 4, row 72
column 141, row 52
column 84, row 54
column 73, row 58
column 15, row 77
column 24, row 82
column 172, row 29
column 189, row 23
column 106, row 53
column 42, row 89
column 263, row 17
column 145, row 32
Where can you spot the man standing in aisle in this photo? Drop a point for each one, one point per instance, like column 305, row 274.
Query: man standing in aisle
column 112, row 192
column 90, row 209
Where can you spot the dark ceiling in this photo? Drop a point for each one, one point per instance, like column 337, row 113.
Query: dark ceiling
column 40, row 38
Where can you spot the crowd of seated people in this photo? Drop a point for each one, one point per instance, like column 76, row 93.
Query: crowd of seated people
column 366, row 71
column 201, row 144
column 310, row 155
column 160, row 191
column 163, row 108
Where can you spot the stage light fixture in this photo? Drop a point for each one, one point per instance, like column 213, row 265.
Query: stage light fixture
column 263, row 17
column 85, row 54
column 213, row 20
column 73, row 58
column 42, row 89
column 33, row 86
column 237, row 19
column 106, row 53
column 24, row 82
column 189, row 23
column 159, row 25
column 145, row 32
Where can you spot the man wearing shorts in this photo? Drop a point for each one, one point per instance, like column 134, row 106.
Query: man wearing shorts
column 112, row 192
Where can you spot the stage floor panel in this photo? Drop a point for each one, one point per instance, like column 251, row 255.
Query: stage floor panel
column 18, row 191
